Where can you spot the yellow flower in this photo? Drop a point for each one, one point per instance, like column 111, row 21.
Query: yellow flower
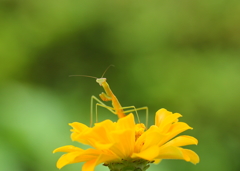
column 115, row 142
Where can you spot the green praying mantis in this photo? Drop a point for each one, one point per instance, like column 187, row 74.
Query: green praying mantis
column 108, row 95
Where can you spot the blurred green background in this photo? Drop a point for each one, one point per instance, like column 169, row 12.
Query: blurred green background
column 178, row 55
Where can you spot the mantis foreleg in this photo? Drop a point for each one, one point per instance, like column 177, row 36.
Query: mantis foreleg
column 100, row 103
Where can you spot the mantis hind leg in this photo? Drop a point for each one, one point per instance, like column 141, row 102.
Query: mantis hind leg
column 135, row 110
column 111, row 109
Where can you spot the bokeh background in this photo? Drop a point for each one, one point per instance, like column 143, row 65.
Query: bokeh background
column 178, row 55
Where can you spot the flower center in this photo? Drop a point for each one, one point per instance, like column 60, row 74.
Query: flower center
column 139, row 130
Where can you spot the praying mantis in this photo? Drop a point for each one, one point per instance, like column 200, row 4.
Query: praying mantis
column 109, row 96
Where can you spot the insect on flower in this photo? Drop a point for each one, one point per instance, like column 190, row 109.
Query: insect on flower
column 109, row 96
column 125, row 145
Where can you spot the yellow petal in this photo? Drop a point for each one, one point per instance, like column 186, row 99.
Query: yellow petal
column 176, row 129
column 170, row 152
column 79, row 127
column 141, row 140
column 67, row 159
column 126, row 122
column 87, row 155
column 162, row 115
column 107, row 156
column 101, row 146
column 149, row 154
column 102, row 158
column 89, row 166
column 78, row 156
column 67, row 148
column 182, row 140
column 152, row 139
column 107, row 124
column 95, row 136
column 78, row 131
column 156, row 161
column 123, row 143
column 81, row 138
column 99, row 133
column 168, row 121
column 191, row 155
column 139, row 143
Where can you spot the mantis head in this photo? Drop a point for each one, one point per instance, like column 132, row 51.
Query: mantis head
column 100, row 81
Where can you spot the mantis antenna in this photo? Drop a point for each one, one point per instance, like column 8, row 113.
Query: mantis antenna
column 106, row 70
column 92, row 76
column 82, row 76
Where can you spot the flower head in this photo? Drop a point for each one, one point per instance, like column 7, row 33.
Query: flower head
column 124, row 141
